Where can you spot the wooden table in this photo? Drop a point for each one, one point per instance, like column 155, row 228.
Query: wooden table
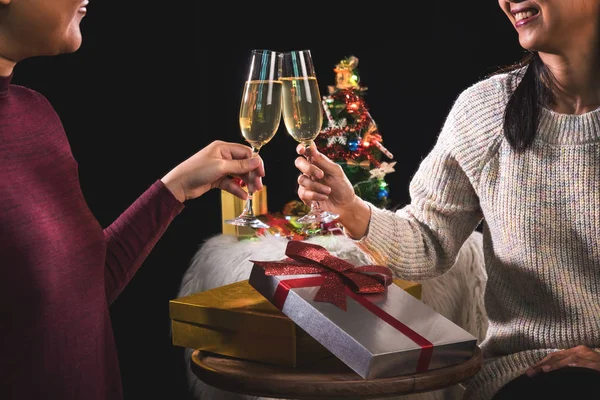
column 328, row 379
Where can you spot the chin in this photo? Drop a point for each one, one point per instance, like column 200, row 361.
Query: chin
column 535, row 41
column 71, row 39
column 70, row 46
column 528, row 45
column 71, row 49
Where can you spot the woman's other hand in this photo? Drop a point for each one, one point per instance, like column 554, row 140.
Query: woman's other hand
column 580, row 356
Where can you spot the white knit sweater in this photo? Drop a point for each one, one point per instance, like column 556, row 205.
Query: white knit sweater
column 541, row 213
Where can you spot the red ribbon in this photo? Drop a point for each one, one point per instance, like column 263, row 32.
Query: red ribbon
column 309, row 258
column 334, row 274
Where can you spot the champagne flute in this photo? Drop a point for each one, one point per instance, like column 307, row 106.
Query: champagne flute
column 303, row 113
column 259, row 117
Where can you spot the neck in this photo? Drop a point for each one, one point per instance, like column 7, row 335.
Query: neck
column 577, row 77
column 6, row 66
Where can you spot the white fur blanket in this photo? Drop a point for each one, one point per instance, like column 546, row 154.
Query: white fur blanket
column 458, row 294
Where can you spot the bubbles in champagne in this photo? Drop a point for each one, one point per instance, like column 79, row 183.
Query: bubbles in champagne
column 260, row 112
column 302, row 111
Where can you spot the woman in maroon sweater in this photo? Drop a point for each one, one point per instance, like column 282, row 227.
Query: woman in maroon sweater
column 59, row 270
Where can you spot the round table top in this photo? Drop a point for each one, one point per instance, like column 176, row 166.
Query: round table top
column 326, row 379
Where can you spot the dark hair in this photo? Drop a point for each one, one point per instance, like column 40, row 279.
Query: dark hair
column 534, row 91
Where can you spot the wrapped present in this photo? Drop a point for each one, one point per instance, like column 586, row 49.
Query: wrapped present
column 375, row 328
column 237, row 321
column 232, row 206
column 415, row 289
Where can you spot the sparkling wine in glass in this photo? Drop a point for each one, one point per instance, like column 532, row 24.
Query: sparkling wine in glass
column 303, row 113
column 260, row 115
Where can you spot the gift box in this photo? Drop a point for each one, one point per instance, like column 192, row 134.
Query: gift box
column 232, row 206
column 237, row 321
column 377, row 329
column 415, row 289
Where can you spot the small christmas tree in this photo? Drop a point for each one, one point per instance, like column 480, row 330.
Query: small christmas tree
column 351, row 138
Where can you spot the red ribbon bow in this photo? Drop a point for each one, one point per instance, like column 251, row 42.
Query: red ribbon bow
column 309, row 258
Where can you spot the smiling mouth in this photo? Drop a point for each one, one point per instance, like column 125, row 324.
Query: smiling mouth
column 523, row 16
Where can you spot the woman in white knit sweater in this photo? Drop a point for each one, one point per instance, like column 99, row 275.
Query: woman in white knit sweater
column 520, row 152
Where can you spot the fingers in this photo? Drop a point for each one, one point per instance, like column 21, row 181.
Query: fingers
column 308, row 195
column 256, row 183
column 319, row 160
column 246, row 159
column 555, row 364
column 232, row 186
column 315, row 189
column 233, row 151
column 301, row 149
column 243, row 166
column 580, row 356
column 308, row 169
column 545, row 364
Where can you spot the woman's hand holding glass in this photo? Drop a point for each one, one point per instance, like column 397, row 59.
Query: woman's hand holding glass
column 220, row 165
column 259, row 117
column 303, row 114
column 324, row 181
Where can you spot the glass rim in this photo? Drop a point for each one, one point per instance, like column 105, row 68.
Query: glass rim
column 264, row 51
column 296, row 51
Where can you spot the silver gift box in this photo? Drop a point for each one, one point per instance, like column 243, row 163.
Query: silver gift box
column 396, row 334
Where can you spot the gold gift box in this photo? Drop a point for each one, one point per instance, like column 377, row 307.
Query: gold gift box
column 413, row 288
column 236, row 320
column 232, row 206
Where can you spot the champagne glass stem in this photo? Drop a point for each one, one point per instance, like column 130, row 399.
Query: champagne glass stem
column 247, row 217
column 316, row 214
column 315, row 207
column 249, row 207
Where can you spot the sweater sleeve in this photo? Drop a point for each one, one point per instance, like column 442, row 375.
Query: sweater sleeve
column 131, row 237
column 422, row 239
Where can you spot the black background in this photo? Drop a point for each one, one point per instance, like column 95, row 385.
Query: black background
column 152, row 84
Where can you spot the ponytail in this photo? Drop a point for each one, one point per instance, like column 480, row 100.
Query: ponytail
column 522, row 113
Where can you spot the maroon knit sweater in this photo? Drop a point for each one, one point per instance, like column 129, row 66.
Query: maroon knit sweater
column 59, row 270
